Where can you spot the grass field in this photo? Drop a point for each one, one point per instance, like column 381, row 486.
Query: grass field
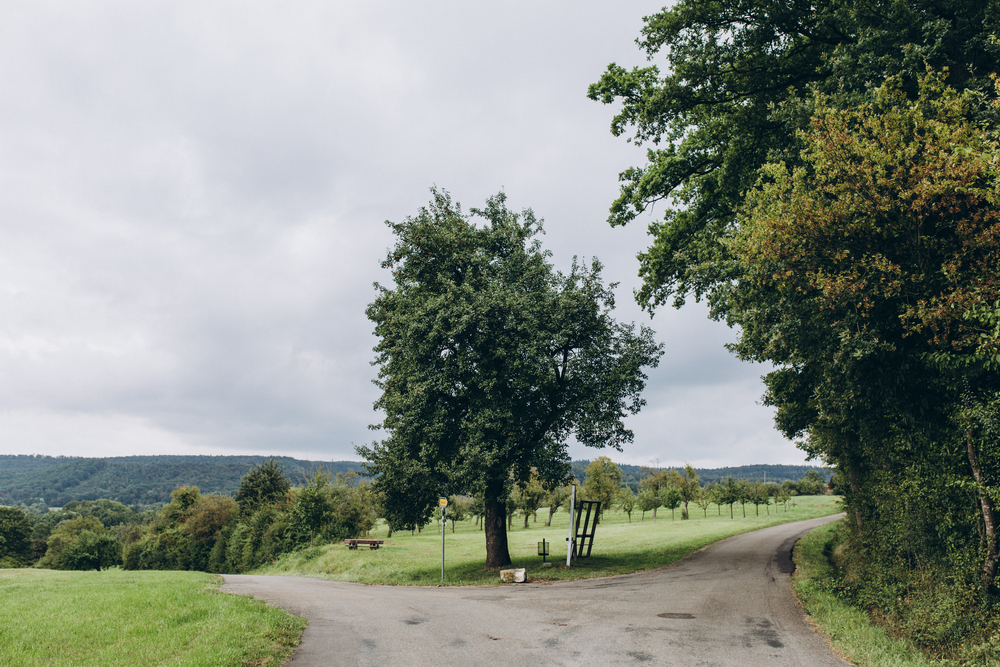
column 851, row 631
column 52, row 618
column 620, row 547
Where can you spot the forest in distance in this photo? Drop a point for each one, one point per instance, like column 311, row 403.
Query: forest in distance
column 149, row 480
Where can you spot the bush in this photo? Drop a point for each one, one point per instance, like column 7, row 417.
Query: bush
column 82, row 543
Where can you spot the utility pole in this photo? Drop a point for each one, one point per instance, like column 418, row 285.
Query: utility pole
column 569, row 538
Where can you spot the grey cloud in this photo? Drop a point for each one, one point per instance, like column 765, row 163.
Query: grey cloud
column 193, row 200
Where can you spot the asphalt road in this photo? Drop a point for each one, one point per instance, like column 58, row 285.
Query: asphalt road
column 728, row 606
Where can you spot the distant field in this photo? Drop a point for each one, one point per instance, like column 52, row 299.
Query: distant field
column 109, row 618
column 620, row 547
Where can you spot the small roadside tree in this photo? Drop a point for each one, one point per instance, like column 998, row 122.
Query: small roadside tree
column 602, row 482
column 648, row 499
column 670, row 497
column 626, row 501
column 530, row 496
column 729, row 493
column 703, row 498
column 686, row 482
column 312, row 504
column 556, row 498
column 458, row 510
column 489, row 360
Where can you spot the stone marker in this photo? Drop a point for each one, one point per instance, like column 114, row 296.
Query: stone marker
column 512, row 576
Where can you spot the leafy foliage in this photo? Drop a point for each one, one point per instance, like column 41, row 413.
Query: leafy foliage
column 82, row 543
column 867, row 269
column 736, row 82
column 15, row 537
column 602, row 482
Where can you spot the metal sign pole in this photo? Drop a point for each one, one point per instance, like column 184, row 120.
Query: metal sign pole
column 569, row 538
column 443, row 502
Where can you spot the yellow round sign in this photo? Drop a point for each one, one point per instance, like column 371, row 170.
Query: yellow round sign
column 443, row 502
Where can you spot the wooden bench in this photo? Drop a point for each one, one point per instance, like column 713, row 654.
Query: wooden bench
column 371, row 544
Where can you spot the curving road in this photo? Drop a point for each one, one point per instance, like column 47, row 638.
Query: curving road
column 729, row 605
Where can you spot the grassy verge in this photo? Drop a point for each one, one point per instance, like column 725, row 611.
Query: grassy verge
column 136, row 618
column 851, row 631
column 620, row 547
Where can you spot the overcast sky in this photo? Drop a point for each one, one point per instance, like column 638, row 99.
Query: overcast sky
column 193, row 206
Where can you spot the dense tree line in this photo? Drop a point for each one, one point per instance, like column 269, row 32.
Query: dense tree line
column 830, row 176
column 267, row 517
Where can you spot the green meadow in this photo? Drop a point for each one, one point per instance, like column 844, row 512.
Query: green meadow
column 620, row 546
column 116, row 617
column 52, row 618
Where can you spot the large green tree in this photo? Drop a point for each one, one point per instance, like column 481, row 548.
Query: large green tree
column 729, row 84
column 489, row 360
column 865, row 267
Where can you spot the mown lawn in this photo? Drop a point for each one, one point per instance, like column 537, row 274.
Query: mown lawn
column 51, row 618
column 620, row 546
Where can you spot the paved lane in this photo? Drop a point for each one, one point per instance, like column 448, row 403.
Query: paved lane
column 728, row 606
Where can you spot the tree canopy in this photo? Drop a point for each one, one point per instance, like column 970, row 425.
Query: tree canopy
column 489, row 360
column 867, row 271
column 731, row 82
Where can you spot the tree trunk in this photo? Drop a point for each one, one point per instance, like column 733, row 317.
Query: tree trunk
column 852, row 475
column 990, row 564
column 548, row 523
column 526, row 515
column 497, row 554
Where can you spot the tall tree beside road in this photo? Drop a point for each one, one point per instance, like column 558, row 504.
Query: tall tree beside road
column 489, row 360
column 865, row 269
column 729, row 84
